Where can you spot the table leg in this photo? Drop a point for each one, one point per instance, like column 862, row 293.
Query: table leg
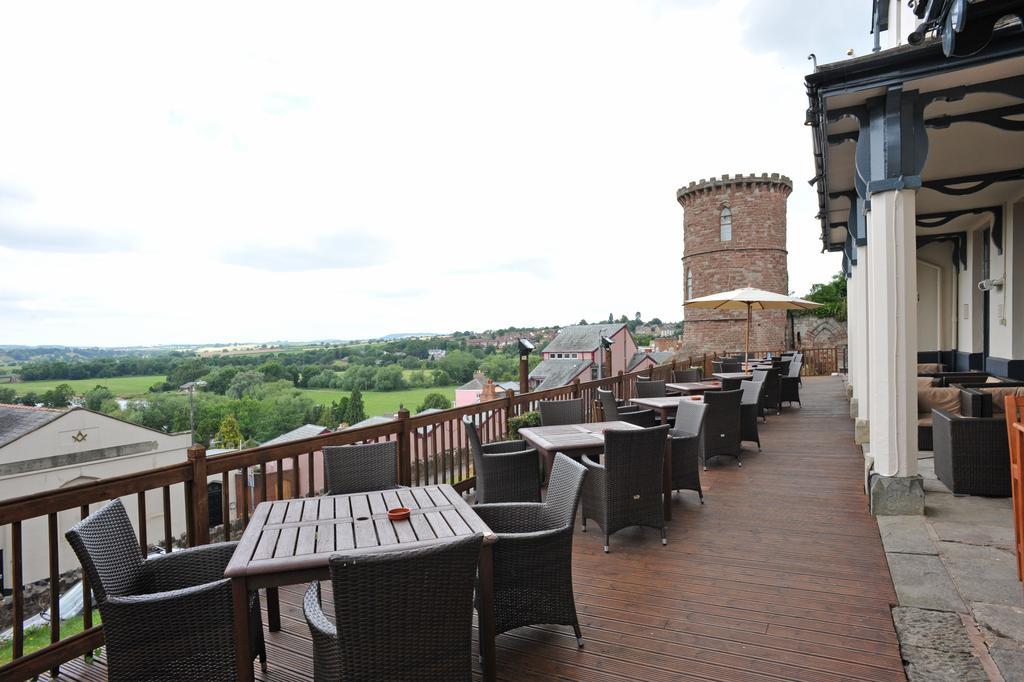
column 486, row 613
column 240, row 598
column 664, row 416
column 549, row 461
column 273, row 610
column 667, row 476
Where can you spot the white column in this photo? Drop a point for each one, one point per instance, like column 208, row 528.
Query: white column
column 892, row 332
column 857, row 329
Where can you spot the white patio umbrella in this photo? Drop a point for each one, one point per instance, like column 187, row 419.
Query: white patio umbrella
column 751, row 299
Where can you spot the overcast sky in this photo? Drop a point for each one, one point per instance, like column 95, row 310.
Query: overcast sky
column 211, row 173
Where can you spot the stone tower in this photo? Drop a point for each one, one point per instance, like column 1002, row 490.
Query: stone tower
column 734, row 235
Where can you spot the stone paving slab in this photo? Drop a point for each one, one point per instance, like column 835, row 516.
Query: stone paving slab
column 986, row 511
column 1000, row 620
column 921, row 581
column 930, row 629
column 932, row 665
column 982, row 574
column 1009, row 658
column 1001, row 537
column 906, row 535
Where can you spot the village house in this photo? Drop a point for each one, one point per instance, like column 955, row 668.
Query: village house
column 577, row 353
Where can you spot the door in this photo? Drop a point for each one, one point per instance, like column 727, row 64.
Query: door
column 929, row 278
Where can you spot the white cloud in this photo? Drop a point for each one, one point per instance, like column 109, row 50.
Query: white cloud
column 311, row 170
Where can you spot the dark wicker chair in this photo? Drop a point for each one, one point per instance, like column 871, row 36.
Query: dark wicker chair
column 687, row 442
column 401, row 615
column 750, row 408
column 972, row 454
column 507, row 471
column 722, row 425
column 684, row 376
column 650, row 389
column 559, row 412
column 533, row 555
column 613, row 412
column 771, row 389
column 627, row 489
column 360, row 468
column 166, row 617
column 789, row 385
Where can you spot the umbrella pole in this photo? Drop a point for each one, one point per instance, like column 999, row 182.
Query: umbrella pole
column 746, row 347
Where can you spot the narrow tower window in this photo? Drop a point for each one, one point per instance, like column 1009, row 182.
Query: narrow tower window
column 689, row 284
column 726, row 224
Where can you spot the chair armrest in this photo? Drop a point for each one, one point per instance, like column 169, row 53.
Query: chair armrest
column 593, row 468
column 315, row 616
column 504, row 446
column 513, row 517
column 975, row 403
column 188, row 567
column 683, row 435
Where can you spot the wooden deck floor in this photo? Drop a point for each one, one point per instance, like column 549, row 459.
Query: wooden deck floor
column 779, row 576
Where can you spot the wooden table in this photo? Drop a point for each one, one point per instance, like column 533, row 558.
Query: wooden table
column 664, row 406
column 695, row 387
column 576, row 440
column 290, row 542
column 732, row 375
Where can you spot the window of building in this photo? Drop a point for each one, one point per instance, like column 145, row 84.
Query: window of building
column 726, row 224
column 689, row 284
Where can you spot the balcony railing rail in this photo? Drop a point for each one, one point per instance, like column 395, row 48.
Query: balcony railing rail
column 432, row 448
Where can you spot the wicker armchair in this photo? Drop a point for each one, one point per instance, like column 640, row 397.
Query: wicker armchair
column 750, row 407
column 771, row 390
column 508, row 471
column 789, row 385
column 627, row 489
column 613, row 412
column 722, row 425
column 559, row 412
column 972, row 454
column 533, row 555
column 685, row 376
column 687, row 446
column 650, row 389
column 401, row 615
column 360, row 468
column 167, row 617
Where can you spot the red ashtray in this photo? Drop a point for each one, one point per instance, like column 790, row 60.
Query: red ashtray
column 398, row 514
column 694, row 397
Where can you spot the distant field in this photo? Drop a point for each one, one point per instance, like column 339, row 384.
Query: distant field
column 382, row 402
column 123, row 387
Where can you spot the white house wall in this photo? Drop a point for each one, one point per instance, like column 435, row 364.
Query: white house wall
column 939, row 255
column 970, row 330
column 55, row 439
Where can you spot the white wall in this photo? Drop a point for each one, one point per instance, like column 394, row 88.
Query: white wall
column 102, row 432
column 1000, row 301
column 940, row 273
column 970, row 339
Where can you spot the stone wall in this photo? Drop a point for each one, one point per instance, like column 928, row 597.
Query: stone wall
column 818, row 332
column 754, row 257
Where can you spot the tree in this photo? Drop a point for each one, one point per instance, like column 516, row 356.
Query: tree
column 611, row 318
column 637, row 317
column 94, row 397
column 582, row 322
column 245, row 383
column 58, row 396
column 833, row 297
column 435, row 401
column 459, row 365
column 7, row 395
column 339, row 412
column 356, row 411
column 655, row 320
column 389, row 378
column 500, row 367
column 230, row 433
column 187, row 371
column 218, row 380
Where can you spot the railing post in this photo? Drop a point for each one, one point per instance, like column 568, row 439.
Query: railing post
column 404, row 449
column 200, row 501
column 576, row 388
column 508, row 409
column 622, row 384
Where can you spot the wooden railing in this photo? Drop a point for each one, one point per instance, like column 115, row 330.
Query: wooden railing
column 432, row 448
column 817, row 361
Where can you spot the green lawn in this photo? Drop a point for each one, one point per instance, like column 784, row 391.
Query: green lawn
column 123, row 387
column 37, row 638
column 382, row 402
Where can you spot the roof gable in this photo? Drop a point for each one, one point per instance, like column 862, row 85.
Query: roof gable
column 581, row 337
column 19, row 420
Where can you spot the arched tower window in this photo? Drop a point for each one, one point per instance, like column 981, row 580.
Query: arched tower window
column 726, row 225
column 689, row 284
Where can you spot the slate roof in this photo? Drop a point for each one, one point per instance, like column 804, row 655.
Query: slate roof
column 304, row 431
column 471, row 385
column 658, row 356
column 18, row 420
column 581, row 337
column 558, row 372
column 371, row 421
